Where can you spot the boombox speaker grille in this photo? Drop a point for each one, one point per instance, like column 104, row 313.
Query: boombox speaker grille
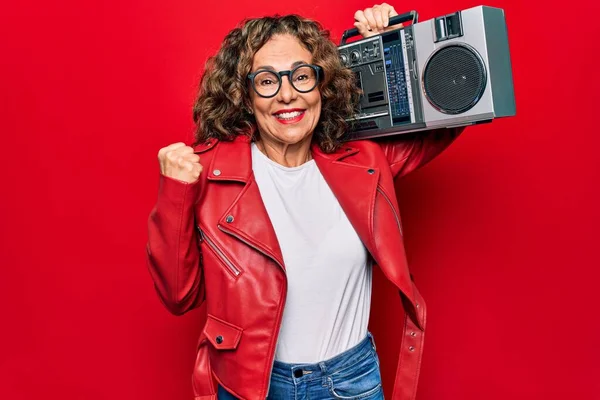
column 454, row 79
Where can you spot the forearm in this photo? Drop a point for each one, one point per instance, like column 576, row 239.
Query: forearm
column 174, row 258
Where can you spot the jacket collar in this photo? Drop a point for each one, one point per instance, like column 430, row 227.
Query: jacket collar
column 354, row 186
column 233, row 160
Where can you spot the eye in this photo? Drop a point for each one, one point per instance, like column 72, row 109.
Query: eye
column 266, row 79
column 304, row 75
column 266, row 82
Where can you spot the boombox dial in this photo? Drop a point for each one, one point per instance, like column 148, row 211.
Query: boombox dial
column 355, row 56
column 344, row 59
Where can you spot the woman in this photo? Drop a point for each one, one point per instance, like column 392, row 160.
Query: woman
column 275, row 222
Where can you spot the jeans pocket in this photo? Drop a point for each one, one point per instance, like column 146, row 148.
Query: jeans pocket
column 360, row 381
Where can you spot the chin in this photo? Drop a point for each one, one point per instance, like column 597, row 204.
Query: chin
column 294, row 138
column 291, row 134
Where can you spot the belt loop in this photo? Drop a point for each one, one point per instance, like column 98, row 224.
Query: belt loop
column 372, row 341
column 324, row 382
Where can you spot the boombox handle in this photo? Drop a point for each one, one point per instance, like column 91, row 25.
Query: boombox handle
column 398, row 19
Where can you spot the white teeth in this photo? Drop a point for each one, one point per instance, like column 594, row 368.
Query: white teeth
column 289, row 115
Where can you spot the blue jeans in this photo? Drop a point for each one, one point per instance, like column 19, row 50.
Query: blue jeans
column 354, row 374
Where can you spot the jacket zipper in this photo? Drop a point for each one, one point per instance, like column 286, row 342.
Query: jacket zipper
column 235, row 271
column 282, row 300
column 392, row 207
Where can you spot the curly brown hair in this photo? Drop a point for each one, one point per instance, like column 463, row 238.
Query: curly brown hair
column 223, row 107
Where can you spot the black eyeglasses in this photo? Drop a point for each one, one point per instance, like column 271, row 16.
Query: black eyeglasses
column 304, row 78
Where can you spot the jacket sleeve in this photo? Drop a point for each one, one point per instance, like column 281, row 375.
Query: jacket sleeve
column 408, row 152
column 174, row 257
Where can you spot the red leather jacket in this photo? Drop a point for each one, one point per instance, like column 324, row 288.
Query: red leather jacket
column 212, row 241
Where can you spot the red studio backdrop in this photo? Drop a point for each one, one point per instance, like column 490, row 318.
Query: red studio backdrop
column 501, row 229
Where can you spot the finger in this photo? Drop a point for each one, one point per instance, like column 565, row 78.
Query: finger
column 174, row 154
column 185, row 165
column 193, row 158
column 197, row 170
column 362, row 29
column 162, row 152
column 391, row 12
column 378, row 19
column 385, row 14
column 359, row 17
column 370, row 20
column 171, row 157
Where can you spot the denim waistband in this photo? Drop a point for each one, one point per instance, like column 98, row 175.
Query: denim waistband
column 300, row 372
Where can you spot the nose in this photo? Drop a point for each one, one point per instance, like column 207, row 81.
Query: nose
column 287, row 93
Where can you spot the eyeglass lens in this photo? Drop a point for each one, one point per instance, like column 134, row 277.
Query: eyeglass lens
column 303, row 79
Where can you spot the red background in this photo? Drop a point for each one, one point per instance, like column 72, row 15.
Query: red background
column 501, row 229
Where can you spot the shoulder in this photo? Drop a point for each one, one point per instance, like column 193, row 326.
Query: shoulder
column 367, row 145
column 368, row 148
column 363, row 152
column 225, row 159
column 360, row 148
column 207, row 145
column 211, row 146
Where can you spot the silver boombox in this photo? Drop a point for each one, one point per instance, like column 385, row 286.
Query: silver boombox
column 449, row 71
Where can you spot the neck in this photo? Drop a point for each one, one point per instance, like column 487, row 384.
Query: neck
column 287, row 155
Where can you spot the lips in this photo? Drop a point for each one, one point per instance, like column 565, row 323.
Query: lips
column 289, row 116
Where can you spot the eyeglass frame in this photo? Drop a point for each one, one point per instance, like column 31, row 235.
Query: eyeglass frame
column 289, row 72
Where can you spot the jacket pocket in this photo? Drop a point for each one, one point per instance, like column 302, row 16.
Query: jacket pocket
column 222, row 335
column 231, row 267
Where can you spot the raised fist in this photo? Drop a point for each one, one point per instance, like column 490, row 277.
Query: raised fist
column 178, row 161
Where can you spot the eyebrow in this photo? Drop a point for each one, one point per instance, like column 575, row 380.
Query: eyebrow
column 295, row 64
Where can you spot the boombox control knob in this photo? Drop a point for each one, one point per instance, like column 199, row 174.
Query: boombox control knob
column 344, row 59
column 355, row 56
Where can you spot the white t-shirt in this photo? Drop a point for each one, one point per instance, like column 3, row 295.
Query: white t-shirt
column 329, row 279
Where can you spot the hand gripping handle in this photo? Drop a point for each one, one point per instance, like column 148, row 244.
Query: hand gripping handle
column 398, row 19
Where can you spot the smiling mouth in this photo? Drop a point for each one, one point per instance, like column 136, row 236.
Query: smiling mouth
column 289, row 116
